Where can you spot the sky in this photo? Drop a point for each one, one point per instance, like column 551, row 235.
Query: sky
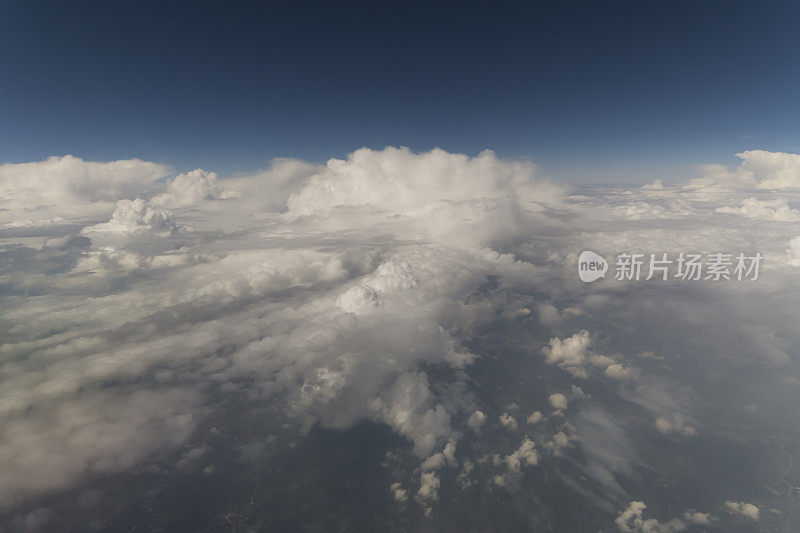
column 256, row 296
column 591, row 92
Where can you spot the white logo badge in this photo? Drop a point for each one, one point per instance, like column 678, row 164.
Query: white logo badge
column 591, row 266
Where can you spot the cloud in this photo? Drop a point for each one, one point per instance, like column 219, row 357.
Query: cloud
column 133, row 217
column 558, row 401
column 793, row 251
column 569, row 353
column 476, row 420
column 387, row 287
column 400, row 494
column 777, row 210
column 525, row 455
column 508, row 422
column 61, row 185
column 91, row 434
column 192, row 187
column 632, row 520
column 743, row 509
column 759, row 169
column 675, row 425
column 429, row 487
column 697, row 518
column 535, row 417
column 435, row 195
column 136, row 226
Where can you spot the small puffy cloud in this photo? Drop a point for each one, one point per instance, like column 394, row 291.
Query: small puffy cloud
column 525, row 455
column 549, row 315
column 559, row 441
column 192, row 187
column 675, row 424
column 569, row 353
column 476, row 420
column 508, row 421
column 632, row 520
column 429, row 487
column 558, row 401
column 743, row 509
column 398, row 492
column 136, row 217
column 136, row 226
column 698, row 518
column 618, row 371
column 535, row 417
column 438, row 460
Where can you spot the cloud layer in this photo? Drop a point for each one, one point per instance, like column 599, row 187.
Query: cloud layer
column 393, row 288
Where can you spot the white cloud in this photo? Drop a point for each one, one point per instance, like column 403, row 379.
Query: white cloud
column 508, row 422
column 435, row 194
column 525, row 455
column 569, row 353
column 535, row 417
column 619, row 371
column 476, row 420
column 777, row 210
column 192, row 187
column 136, row 217
column 675, row 424
column 364, row 289
column 759, row 169
column 793, row 251
column 744, row 509
column 400, row 494
column 66, row 186
column 429, row 487
column 697, row 518
column 632, row 520
column 558, row 401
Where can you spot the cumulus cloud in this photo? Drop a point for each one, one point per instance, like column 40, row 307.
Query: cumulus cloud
column 569, row 353
column 508, row 422
column 535, row 417
column 192, row 187
column 632, row 520
column 525, row 455
column 743, row 509
column 435, row 194
column 759, row 169
column 675, row 424
column 133, row 217
column 400, row 494
column 59, row 180
column 558, row 401
column 429, row 487
column 476, row 420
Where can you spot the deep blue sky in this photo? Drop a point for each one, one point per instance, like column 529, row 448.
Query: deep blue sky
column 592, row 91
